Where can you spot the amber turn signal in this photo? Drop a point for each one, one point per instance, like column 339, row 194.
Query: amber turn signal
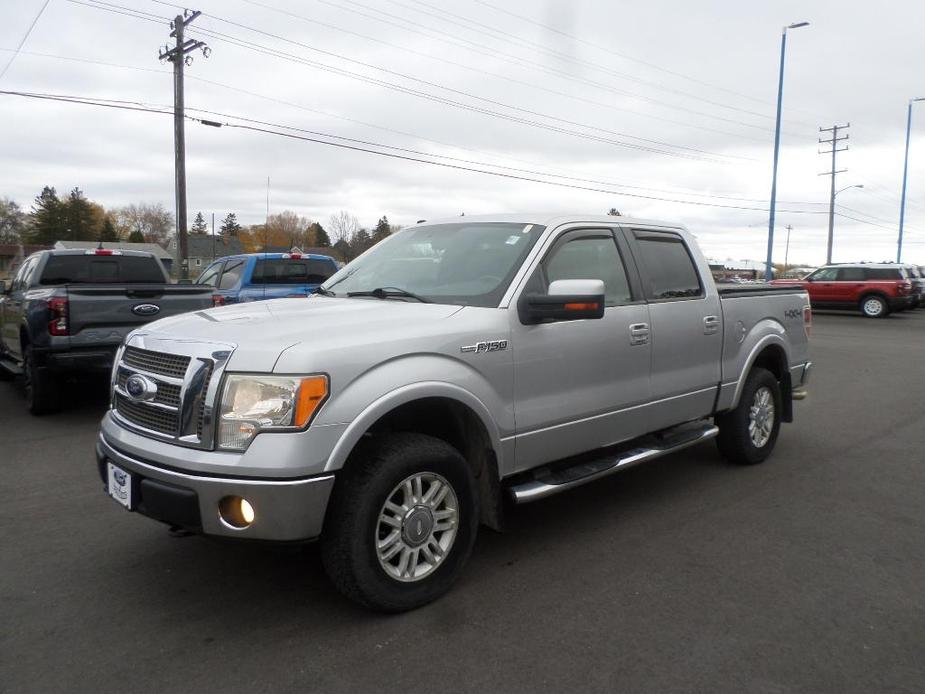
column 312, row 393
column 580, row 307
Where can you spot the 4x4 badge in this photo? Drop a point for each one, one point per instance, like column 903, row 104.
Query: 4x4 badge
column 486, row 346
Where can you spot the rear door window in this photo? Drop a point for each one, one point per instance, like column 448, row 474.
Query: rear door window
column 232, row 274
column 851, row 274
column 668, row 271
column 102, row 269
column 883, row 273
column 292, row 271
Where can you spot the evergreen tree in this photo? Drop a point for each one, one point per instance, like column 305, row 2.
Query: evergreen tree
column 319, row 235
column 614, row 212
column 79, row 218
column 47, row 217
column 382, row 231
column 360, row 242
column 230, row 226
column 136, row 237
column 108, row 232
column 199, row 225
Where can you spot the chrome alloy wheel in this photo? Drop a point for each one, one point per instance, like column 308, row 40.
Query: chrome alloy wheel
column 873, row 307
column 761, row 417
column 417, row 526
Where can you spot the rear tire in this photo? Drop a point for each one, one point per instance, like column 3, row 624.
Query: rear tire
column 747, row 434
column 40, row 387
column 874, row 307
column 401, row 523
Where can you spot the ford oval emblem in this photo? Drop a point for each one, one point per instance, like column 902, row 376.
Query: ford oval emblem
column 146, row 309
column 140, row 388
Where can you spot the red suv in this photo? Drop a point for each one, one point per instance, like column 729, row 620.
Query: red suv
column 874, row 289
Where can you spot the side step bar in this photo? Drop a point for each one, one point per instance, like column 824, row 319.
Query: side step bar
column 551, row 482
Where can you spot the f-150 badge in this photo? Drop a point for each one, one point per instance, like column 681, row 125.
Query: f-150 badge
column 486, row 346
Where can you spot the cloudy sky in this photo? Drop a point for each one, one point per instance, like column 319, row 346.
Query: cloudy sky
column 633, row 105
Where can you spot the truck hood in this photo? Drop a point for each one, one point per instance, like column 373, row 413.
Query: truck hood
column 262, row 330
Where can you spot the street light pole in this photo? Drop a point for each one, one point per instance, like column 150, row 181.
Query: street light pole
column 902, row 198
column 780, row 95
column 831, row 243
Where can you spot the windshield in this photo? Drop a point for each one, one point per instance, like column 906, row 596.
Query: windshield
column 470, row 264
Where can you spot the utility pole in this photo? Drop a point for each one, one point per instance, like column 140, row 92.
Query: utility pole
column 835, row 149
column 213, row 237
column 179, row 56
column 787, row 248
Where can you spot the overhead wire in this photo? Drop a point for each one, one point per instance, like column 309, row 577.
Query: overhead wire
column 272, row 130
column 416, row 27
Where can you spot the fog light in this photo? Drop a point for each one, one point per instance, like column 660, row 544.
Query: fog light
column 236, row 511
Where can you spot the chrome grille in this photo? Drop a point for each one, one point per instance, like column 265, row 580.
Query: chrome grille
column 161, row 363
column 200, row 416
column 152, row 418
column 182, row 406
column 167, row 393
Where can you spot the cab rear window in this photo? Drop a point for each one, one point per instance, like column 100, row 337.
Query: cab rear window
column 292, row 271
column 102, row 269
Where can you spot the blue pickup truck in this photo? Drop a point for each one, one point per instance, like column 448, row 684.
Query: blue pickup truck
column 259, row 276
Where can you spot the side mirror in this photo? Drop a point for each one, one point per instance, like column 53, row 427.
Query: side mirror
column 565, row 300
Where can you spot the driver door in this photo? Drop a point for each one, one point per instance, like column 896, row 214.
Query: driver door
column 572, row 378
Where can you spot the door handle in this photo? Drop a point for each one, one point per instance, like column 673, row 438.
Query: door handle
column 639, row 333
column 710, row 325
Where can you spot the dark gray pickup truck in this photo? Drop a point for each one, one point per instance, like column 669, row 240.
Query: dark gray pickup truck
column 69, row 310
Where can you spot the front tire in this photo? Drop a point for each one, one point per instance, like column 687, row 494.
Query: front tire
column 747, row 434
column 874, row 307
column 401, row 523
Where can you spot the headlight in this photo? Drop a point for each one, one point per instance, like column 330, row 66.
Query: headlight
column 251, row 404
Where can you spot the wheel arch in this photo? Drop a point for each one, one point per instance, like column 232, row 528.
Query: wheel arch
column 769, row 353
column 446, row 412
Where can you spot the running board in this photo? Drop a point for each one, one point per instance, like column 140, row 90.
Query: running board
column 551, row 482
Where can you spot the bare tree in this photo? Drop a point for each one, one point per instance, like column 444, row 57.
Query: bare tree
column 343, row 227
column 151, row 220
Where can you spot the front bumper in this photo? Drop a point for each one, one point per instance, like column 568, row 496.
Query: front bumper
column 285, row 510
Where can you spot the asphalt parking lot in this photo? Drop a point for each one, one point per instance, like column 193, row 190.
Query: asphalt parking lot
column 805, row 574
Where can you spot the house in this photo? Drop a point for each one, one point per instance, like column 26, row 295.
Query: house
column 156, row 249
column 12, row 255
column 202, row 249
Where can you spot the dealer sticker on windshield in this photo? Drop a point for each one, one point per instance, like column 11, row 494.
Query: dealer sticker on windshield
column 120, row 485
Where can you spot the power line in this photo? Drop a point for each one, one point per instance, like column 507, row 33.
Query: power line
column 456, row 40
column 682, row 192
column 697, row 154
column 110, row 103
column 496, row 75
column 22, row 41
column 625, row 56
column 249, row 45
column 565, row 56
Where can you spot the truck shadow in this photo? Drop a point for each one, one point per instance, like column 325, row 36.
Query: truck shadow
column 270, row 585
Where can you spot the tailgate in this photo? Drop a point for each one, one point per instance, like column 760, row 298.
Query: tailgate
column 104, row 314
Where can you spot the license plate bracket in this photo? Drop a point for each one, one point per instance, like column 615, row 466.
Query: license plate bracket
column 119, row 485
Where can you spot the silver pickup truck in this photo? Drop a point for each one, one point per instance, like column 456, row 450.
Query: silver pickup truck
column 452, row 370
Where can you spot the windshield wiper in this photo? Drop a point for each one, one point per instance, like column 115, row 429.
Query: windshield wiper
column 324, row 292
column 389, row 292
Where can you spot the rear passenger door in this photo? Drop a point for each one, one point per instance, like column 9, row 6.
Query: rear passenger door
column 686, row 328
column 847, row 287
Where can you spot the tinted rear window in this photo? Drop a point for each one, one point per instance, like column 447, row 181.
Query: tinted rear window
column 669, row 271
column 102, row 269
column 292, row 271
column 883, row 273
